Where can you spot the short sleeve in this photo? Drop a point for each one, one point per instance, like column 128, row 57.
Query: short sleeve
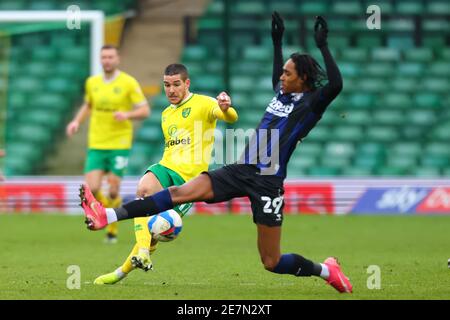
column 87, row 92
column 136, row 95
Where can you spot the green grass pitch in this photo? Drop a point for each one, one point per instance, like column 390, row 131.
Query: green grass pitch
column 215, row 257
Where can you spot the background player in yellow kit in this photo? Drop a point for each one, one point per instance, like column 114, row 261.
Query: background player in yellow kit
column 112, row 99
column 187, row 125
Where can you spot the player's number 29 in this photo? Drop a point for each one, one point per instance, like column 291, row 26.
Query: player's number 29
column 275, row 203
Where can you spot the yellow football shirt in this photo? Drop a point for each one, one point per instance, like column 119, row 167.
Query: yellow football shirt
column 189, row 135
column 122, row 93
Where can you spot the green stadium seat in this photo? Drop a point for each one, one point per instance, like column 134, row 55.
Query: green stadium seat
column 51, row 120
column 367, row 161
column 378, row 69
column 386, row 6
column 440, row 134
column 260, row 54
column 372, row 85
column 410, row 7
column 390, row 171
column 369, row 41
column 44, row 54
column 403, row 85
column 39, row 69
column 361, row 101
column 195, row 53
column 70, row 70
column 309, row 148
column 371, row 149
column 249, row 7
column 441, row 26
column 437, row 149
column 347, row 133
column 13, row 5
column 63, row 86
column 313, row 8
column 427, row 100
column 207, row 23
column 424, row 172
column 400, row 41
column 384, row 134
column 322, row 171
column 435, row 161
column 283, row 7
column 434, row 41
column 400, row 25
column 421, row 117
column 419, row 55
column 50, row 102
column 330, row 118
column 320, row 133
column 346, row 8
column 443, row 53
column 261, row 100
column 406, row 149
column 42, row 5
column 356, row 172
column 26, row 84
column 302, row 162
column 385, row 54
column 438, row 7
column 149, row 134
column 410, row 69
column 354, row 54
column 34, row 133
column 75, row 54
column 336, row 162
column 436, row 85
column 388, row 117
column 210, row 82
column 215, row 8
column 440, row 69
column 339, row 149
column 358, row 117
column 405, row 163
column 413, row 133
column 242, row 84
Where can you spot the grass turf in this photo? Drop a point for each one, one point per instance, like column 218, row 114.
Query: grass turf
column 215, row 257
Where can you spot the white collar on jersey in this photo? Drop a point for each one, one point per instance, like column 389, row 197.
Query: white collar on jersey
column 185, row 99
column 114, row 77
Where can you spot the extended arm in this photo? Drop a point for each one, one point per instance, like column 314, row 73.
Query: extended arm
column 334, row 85
column 277, row 37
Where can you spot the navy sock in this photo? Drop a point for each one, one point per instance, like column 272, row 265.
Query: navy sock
column 148, row 206
column 297, row 265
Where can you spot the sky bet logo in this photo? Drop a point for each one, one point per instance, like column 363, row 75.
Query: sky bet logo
column 177, row 141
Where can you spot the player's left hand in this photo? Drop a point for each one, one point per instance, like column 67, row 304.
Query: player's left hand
column 224, row 101
column 277, row 28
column 121, row 116
column 320, row 32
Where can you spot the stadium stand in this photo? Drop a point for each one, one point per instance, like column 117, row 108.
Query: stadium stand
column 47, row 67
column 396, row 81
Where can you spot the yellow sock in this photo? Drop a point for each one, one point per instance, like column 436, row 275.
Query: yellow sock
column 101, row 197
column 113, row 228
column 143, row 236
column 126, row 266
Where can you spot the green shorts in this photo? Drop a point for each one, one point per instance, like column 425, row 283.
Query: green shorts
column 115, row 161
column 169, row 178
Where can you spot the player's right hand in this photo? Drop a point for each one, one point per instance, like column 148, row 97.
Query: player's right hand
column 72, row 128
column 277, row 28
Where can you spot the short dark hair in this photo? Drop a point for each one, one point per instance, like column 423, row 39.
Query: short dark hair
column 305, row 65
column 110, row 46
column 177, row 68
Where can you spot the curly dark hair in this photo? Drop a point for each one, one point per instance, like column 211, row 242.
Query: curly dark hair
column 309, row 67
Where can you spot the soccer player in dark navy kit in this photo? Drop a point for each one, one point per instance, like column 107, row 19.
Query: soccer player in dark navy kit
column 298, row 105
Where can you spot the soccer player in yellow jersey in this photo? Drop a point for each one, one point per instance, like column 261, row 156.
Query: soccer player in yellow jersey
column 112, row 99
column 188, row 125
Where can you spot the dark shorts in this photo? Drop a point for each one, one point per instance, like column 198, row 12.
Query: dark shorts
column 264, row 191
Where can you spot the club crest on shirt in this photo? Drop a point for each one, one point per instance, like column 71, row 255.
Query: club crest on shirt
column 172, row 130
column 117, row 90
column 185, row 113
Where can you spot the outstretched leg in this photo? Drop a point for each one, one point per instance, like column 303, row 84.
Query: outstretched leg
column 269, row 239
column 97, row 217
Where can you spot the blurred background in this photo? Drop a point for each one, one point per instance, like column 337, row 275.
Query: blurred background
column 391, row 120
